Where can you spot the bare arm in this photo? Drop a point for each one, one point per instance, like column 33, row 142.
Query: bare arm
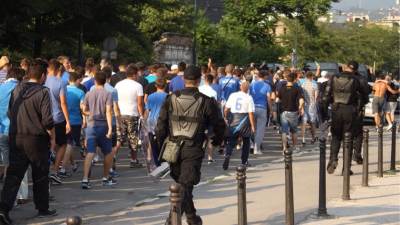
column 64, row 109
column 252, row 122
column 301, row 106
column 117, row 113
column 140, row 105
column 392, row 90
column 109, row 120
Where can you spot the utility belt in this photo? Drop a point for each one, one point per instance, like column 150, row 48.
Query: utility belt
column 172, row 147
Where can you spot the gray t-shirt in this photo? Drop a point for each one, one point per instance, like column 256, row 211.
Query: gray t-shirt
column 96, row 100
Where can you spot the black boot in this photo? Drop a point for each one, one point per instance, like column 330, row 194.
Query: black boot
column 358, row 159
column 332, row 164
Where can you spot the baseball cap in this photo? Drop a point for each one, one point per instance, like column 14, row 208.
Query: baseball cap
column 324, row 73
column 353, row 65
column 192, row 73
column 174, row 67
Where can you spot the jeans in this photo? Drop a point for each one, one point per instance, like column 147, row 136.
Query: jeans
column 289, row 122
column 261, row 120
column 4, row 149
column 245, row 148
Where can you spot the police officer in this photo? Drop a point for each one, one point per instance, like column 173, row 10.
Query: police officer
column 184, row 117
column 343, row 92
column 363, row 99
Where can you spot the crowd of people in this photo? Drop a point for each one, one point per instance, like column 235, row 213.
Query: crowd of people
column 50, row 109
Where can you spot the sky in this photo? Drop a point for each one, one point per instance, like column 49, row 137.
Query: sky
column 366, row 4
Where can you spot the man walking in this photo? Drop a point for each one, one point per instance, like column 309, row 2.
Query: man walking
column 291, row 102
column 130, row 102
column 261, row 93
column 184, row 117
column 342, row 92
column 31, row 133
column 242, row 124
column 310, row 91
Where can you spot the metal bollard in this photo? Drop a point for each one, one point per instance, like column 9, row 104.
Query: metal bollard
column 365, row 159
column 175, row 200
column 393, row 152
column 74, row 220
column 380, row 151
column 322, row 212
column 346, row 166
column 241, row 183
column 289, row 187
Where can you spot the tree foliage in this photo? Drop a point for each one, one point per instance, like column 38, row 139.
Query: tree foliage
column 364, row 43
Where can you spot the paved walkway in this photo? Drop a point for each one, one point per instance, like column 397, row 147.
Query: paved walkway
column 377, row 204
column 138, row 199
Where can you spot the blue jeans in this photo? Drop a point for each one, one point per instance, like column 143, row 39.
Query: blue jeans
column 4, row 149
column 289, row 122
column 261, row 121
column 245, row 148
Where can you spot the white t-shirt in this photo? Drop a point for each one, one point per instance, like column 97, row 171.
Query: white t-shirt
column 208, row 90
column 240, row 102
column 128, row 92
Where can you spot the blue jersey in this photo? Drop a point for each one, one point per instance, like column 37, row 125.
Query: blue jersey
column 217, row 89
column 75, row 97
column 228, row 85
column 176, row 84
column 259, row 91
column 154, row 104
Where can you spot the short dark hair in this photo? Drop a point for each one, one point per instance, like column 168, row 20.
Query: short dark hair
column 209, row 78
column 309, row 74
column 108, row 71
column 204, row 69
column 141, row 66
column 161, row 83
column 55, row 65
column 131, row 70
column 263, row 73
column 37, row 69
column 100, row 77
column 192, row 73
column 291, row 77
column 16, row 73
column 181, row 66
column 73, row 76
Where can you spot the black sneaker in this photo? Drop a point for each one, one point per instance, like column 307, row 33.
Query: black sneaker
column 350, row 173
column 109, row 182
column 5, row 219
column 194, row 220
column 135, row 164
column 63, row 174
column 86, row 185
column 358, row 159
column 55, row 179
column 47, row 213
column 225, row 165
column 331, row 166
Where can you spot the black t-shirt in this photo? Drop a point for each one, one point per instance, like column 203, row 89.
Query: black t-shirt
column 392, row 97
column 151, row 88
column 117, row 78
column 289, row 97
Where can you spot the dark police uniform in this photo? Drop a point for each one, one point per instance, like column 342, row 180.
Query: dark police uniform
column 342, row 92
column 185, row 116
column 363, row 99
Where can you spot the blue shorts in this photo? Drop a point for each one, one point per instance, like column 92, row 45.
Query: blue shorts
column 96, row 137
column 74, row 137
column 310, row 114
column 289, row 122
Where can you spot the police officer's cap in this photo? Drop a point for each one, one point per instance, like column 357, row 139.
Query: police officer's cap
column 353, row 65
column 192, row 73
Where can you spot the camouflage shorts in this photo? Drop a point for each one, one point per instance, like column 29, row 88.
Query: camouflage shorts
column 128, row 131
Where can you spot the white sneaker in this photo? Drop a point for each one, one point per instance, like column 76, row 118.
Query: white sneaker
column 389, row 127
column 257, row 152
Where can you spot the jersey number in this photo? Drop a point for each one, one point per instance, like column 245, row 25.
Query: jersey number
column 238, row 105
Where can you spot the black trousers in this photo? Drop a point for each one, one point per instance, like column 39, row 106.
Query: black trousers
column 187, row 172
column 342, row 121
column 33, row 151
column 358, row 135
